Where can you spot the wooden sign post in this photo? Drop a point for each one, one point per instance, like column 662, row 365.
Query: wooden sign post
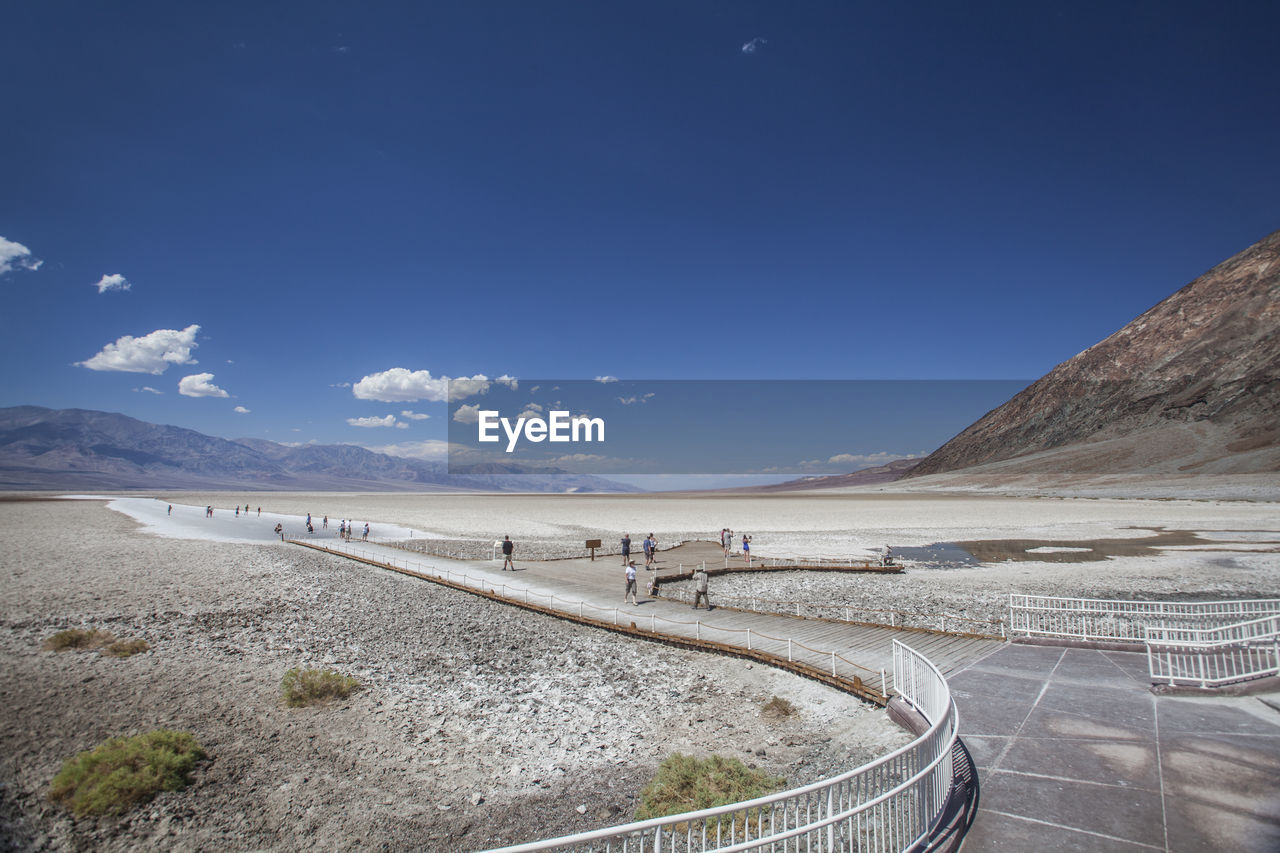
column 593, row 544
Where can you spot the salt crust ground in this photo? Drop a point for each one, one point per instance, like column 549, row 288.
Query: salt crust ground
column 479, row 725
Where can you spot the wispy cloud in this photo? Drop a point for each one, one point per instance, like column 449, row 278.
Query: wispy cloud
column 147, row 389
column 606, row 379
column 639, row 398
column 754, row 45
column 430, row 450
column 113, row 282
column 151, row 353
column 414, row 416
column 200, row 385
column 16, row 256
column 240, row 410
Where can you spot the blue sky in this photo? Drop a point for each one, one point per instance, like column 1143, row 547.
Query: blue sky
column 334, row 191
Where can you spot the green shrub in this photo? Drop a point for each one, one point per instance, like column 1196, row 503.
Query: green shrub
column 312, row 686
column 125, row 771
column 79, row 639
column 685, row 784
column 126, row 648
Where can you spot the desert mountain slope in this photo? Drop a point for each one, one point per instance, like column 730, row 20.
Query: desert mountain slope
column 1191, row 385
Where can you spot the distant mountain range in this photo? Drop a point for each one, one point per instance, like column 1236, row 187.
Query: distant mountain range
column 864, row 477
column 86, row 450
column 1190, row 387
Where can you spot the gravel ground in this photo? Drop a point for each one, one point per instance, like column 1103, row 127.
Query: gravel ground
column 478, row 724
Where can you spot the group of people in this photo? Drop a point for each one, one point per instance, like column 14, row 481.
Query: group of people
column 650, row 546
column 208, row 511
column 726, row 542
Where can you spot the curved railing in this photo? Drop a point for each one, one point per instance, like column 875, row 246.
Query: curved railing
column 890, row 804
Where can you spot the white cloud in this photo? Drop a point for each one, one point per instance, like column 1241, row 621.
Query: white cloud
column 151, row 353
column 339, row 384
column 533, row 410
column 602, row 379
column 510, row 381
column 240, row 410
column 630, row 401
column 414, row 416
column 200, row 385
column 861, row 460
column 401, row 385
column 115, row 281
column 468, row 386
column 148, row 389
column 754, row 45
column 431, row 449
column 388, row 421
column 16, row 256
column 467, row 414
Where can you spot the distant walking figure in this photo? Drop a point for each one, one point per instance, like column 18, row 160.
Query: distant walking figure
column 342, row 529
column 648, row 551
column 259, row 512
column 700, row 587
column 508, row 548
column 308, row 518
column 170, row 509
column 630, row 591
column 365, row 537
column 238, row 512
column 626, row 548
column 746, row 547
column 726, row 540
column 325, row 524
column 280, row 530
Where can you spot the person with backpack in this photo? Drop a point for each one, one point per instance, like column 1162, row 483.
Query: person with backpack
column 700, row 587
column 626, row 549
column 508, row 548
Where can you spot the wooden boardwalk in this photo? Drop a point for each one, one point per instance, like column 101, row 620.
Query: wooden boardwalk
column 851, row 656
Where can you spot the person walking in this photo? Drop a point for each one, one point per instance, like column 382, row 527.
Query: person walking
column 746, row 547
column 726, row 540
column 170, row 509
column 508, row 548
column 626, row 548
column 324, row 525
column 631, row 584
column 700, row 587
column 648, row 551
column 365, row 536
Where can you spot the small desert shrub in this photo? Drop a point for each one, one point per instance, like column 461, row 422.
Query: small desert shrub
column 126, row 648
column 124, row 771
column 79, row 639
column 312, row 686
column 777, row 708
column 686, row 784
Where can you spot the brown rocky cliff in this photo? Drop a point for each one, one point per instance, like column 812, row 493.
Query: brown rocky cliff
column 1210, row 353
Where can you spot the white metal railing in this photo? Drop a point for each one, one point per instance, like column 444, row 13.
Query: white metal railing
column 1209, row 643
column 889, row 804
column 1103, row 619
column 1211, row 657
column 847, row 612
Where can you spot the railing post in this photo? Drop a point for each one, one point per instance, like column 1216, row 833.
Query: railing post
column 833, row 663
column 697, row 630
column 748, row 639
column 788, row 648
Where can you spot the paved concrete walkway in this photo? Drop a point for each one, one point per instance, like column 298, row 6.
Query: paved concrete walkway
column 1075, row 753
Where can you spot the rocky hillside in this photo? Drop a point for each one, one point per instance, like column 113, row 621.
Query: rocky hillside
column 1193, row 385
column 80, row 449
